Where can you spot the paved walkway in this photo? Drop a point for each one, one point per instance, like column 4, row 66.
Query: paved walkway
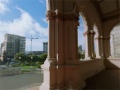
column 108, row 79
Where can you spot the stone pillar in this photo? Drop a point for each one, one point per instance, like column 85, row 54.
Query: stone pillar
column 61, row 68
column 106, row 46
column 109, row 49
column 112, row 46
column 92, row 44
column 72, row 81
column 62, row 57
column 49, row 67
column 87, row 35
column 98, row 41
column 101, row 47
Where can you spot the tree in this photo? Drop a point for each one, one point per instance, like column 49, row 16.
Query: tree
column 20, row 57
column 43, row 57
column 79, row 55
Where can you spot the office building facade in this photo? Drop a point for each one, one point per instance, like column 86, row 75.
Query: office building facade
column 11, row 45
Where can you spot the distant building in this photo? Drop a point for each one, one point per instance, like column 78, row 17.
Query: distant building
column 45, row 46
column 79, row 48
column 12, row 44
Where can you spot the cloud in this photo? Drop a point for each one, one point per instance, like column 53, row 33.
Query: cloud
column 3, row 6
column 44, row 20
column 42, row 1
column 26, row 26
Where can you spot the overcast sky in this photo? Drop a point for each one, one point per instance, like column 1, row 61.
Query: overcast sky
column 26, row 18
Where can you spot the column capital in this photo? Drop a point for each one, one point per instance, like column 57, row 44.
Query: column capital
column 99, row 37
column 52, row 15
column 106, row 38
column 91, row 32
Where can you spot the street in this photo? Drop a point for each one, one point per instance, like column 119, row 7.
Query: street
column 19, row 81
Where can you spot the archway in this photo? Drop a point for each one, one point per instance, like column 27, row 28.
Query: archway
column 84, row 22
column 81, row 39
column 115, row 41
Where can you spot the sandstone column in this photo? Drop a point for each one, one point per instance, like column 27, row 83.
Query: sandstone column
column 112, row 46
column 92, row 44
column 98, row 41
column 87, row 45
column 61, row 68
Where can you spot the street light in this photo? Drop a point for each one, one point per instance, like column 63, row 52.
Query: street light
column 19, row 57
column 8, row 61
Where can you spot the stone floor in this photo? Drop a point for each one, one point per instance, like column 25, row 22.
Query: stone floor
column 108, row 79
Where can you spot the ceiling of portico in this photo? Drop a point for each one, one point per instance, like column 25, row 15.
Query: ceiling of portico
column 107, row 9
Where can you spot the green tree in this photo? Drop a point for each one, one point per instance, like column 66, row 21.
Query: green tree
column 43, row 57
column 79, row 55
column 20, row 57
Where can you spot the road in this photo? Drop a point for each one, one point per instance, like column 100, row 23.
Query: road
column 19, row 81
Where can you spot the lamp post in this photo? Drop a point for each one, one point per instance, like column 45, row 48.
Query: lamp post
column 8, row 62
column 19, row 58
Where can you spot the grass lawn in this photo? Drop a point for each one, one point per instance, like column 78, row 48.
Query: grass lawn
column 28, row 67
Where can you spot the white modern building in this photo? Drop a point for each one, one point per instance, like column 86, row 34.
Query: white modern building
column 11, row 45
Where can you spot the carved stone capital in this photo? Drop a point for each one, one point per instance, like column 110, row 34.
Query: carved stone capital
column 50, row 15
column 61, row 16
column 89, row 33
column 99, row 37
column 92, row 32
column 106, row 38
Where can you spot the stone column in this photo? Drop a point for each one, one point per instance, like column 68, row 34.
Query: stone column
column 61, row 68
column 72, row 81
column 87, row 45
column 106, row 46
column 112, row 46
column 51, row 37
column 49, row 67
column 92, row 44
column 101, row 46
column 109, row 49
column 98, row 41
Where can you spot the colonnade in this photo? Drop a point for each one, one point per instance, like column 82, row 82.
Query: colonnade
column 62, row 64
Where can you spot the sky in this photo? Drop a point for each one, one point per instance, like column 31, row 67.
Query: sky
column 26, row 18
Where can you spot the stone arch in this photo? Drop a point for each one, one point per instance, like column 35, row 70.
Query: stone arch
column 96, row 30
column 113, row 25
column 87, row 31
column 109, row 25
column 84, row 15
column 114, row 41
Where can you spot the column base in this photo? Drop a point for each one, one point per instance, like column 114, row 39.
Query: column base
column 98, row 56
column 87, row 58
column 62, row 77
column 79, row 86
